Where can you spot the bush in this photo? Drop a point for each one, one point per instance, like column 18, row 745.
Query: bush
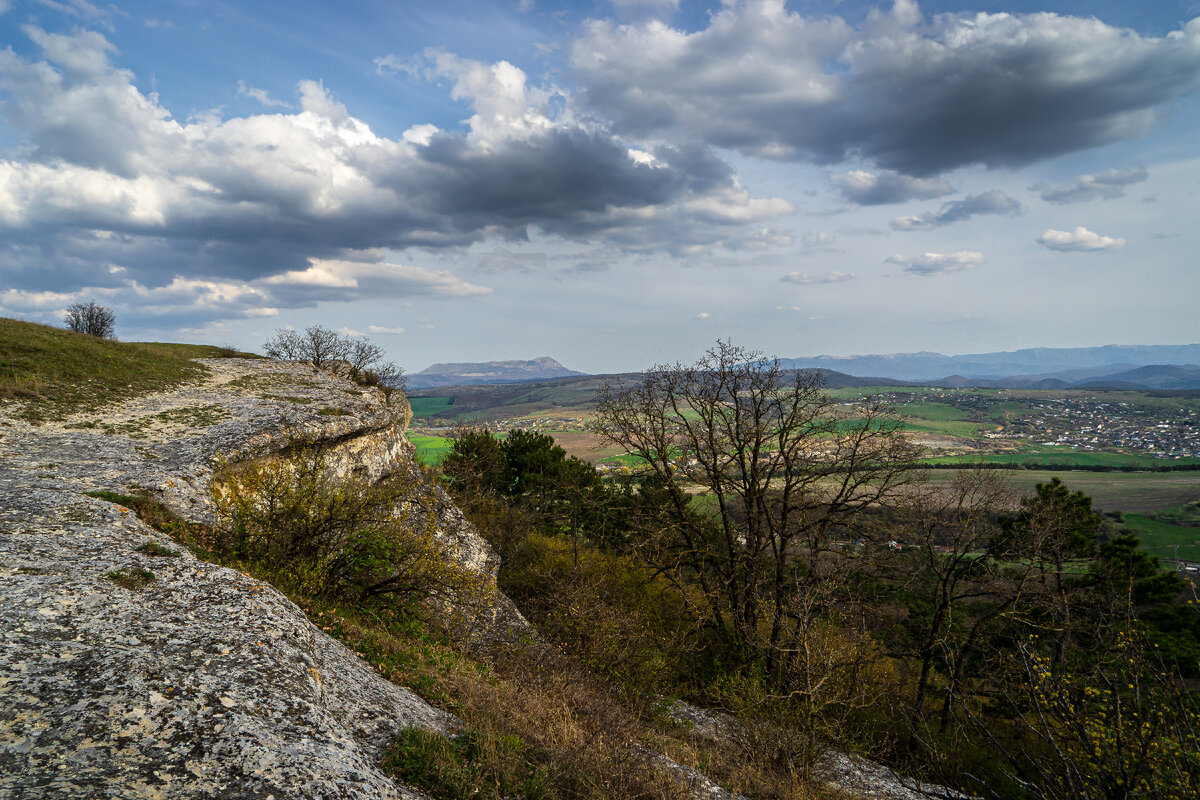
column 321, row 534
column 474, row 764
column 91, row 319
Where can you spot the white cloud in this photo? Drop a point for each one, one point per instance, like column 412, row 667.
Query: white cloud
column 993, row 201
column 704, row 315
column 261, row 95
column 1079, row 240
column 1102, row 186
column 870, row 189
column 355, row 280
column 829, row 277
column 931, row 264
column 382, row 330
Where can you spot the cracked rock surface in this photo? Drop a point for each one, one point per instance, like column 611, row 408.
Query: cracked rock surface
column 130, row 675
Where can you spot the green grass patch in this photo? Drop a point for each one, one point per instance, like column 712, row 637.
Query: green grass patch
column 431, row 449
column 51, row 372
column 1160, row 538
column 156, row 550
column 945, row 427
column 938, row 412
column 429, row 406
column 132, row 578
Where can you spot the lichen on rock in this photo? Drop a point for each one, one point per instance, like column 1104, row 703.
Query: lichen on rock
column 202, row 681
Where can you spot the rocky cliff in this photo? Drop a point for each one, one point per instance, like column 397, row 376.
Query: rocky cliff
column 201, row 682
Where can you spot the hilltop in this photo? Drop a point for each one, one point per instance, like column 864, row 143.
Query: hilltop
column 488, row 372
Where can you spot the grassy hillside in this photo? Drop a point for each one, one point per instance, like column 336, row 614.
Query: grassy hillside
column 48, row 373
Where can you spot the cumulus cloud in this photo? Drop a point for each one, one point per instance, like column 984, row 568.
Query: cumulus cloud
column 195, row 299
column 870, row 189
column 1104, row 186
column 108, row 176
column 261, row 95
column 993, row 201
column 829, row 277
column 1081, row 240
column 911, row 94
column 380, row 329
column 931, row 264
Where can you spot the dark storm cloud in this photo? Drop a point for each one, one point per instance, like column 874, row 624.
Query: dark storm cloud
column 993, row 201
column 913, row 95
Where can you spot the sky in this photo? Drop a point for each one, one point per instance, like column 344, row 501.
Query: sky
column 613, row 184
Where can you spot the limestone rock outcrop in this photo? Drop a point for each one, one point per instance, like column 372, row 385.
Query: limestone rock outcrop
column 188, row 680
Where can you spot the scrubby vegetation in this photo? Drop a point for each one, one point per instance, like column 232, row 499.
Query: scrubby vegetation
column 304, row 526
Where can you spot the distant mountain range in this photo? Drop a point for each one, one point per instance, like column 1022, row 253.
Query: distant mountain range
column 1159, row 377
column 1117, row 366
column 476, row 374
column 1153, row 367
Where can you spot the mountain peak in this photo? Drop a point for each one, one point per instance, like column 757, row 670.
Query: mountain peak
column 486, row 372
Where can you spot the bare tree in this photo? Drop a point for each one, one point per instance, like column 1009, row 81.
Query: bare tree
column 285, row 345
column 324, row 347
column 91, row 319
column 366, row 360
column 788, row 470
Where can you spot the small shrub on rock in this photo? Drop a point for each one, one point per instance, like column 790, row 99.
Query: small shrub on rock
column 302, row 525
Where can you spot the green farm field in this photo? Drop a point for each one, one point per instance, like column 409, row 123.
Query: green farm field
column 1137, row 492
column 1160, row 538
column 430, row 449
column 429, row 406
column 1065, row 457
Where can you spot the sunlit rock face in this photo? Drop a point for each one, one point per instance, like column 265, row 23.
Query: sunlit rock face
column 131, row 673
